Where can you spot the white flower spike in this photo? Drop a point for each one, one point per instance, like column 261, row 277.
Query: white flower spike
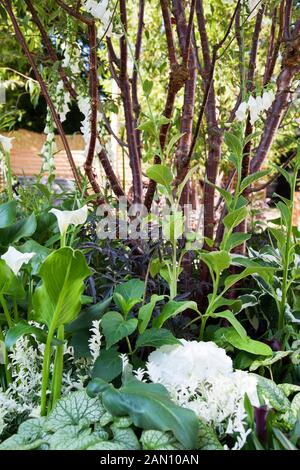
column 6, row 143
column 15, row 259
column 66, row 218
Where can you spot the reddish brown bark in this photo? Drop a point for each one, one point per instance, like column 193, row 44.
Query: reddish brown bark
column 22, row 41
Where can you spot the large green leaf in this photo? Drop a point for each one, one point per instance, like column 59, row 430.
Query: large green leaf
column 108, row 366
column 150, row 407
column 86, row 317
column 7, row 213
column 207, row 439
column 156, row 337
column 229, row 316
column 158, row 440
column 22, row 329
column 246, row 344
column 77, row 408
column 146, row 310
column 161, row 174
column 234, row 218
column 21, row 229
column 57, row 300
column 129, row 294
column 173, row 308
column 41, row 253
column 217, row 260
column 10, row 284
column 273, row 395
column 116, row 328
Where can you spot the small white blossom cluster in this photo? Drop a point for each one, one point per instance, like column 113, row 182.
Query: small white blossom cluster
column 200, row 376
column 71, row 58
column 95, row 340
column 102, row 11
column 23, row 394
column 84, row 105
column 256, row 106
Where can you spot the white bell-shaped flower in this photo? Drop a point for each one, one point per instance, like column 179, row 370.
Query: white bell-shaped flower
column 267, row 99
column 241, row 112
column 66, row 218
column 6, row 143
column 15, row 259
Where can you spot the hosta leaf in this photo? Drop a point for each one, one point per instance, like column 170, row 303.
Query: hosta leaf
column 57, row 300
column 116, row 328
column 158, row 440
column 150, row 407
column 173, row 308
column 77, row 408
column 156, row 337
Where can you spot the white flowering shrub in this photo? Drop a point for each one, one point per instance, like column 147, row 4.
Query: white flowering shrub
column 200, row 376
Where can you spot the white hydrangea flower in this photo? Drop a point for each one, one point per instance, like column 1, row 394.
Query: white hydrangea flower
column 6, row 143
column 15, row 259
column 200, row 376
column 66, row 218
column 95, row 340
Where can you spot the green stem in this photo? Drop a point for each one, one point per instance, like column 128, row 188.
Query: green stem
column 287, row 254
column 6, row 360
column 202, row 328
column 46, row 372
column 63, row 240
column 129, row 346
column 6, row 311
column 58, row 367
column 8, row 176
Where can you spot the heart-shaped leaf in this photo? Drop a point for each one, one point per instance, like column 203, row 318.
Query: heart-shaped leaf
column 149, row 406
column 156, row 337
column 116, row 328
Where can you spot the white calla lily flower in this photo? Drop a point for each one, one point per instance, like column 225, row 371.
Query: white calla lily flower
column 6, row 143
column 66, row 218
column 15, row 259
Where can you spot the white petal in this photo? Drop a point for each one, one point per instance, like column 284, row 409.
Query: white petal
column 241, row 111
column 15, row 259
column 267, row 99
column 6, row 142
column 66, row 218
